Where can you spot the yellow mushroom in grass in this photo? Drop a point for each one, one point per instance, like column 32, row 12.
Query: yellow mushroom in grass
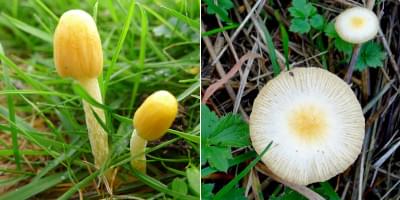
column 151, row 121
column 315, row 122
column 78, row 54
column 357, row 25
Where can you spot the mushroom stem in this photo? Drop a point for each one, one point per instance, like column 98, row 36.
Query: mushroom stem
column 97, row 135
column 353, row 61
column 138, row 145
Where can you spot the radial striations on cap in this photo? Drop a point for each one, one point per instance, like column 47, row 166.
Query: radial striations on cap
column 315, row 122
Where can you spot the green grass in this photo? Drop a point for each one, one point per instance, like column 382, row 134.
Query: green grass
column 148, row 46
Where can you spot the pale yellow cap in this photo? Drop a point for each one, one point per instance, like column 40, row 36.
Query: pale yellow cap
column 156, row 114
column 315, row 122
column 77, row 46
column 357, row 25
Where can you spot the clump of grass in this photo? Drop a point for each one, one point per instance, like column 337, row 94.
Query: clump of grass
column 148, row 46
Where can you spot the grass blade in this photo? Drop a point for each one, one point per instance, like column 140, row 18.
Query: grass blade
column 33, row 188
column 194, row 24
column 234, row 181
column 142, row 56
column 11, row 113
column 121, row 40
column 79, row 185
column 157, row 185
column 28, row 28
column 271, row 49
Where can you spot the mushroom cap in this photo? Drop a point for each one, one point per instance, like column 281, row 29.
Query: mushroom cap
column 357, row 25
column 315, row 122
column 156, row 114
column 77, row 46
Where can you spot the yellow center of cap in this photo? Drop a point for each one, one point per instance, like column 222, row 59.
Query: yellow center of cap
column 357, row 22
column 308, row 122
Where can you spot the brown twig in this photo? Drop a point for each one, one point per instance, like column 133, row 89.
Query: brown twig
column 214, row 87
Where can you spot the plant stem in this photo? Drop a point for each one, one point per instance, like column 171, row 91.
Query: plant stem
column 97, row 135
column 353, row 61
column 138, row 145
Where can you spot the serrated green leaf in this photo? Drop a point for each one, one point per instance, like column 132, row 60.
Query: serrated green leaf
column 299, row 26
column 208, row 122
column 219, row 135
column 317, row 22
column 218, row 157
column 231, row 131
column 220, row 8
column 371, row 55
column 299, row 3
column 309, row 10
column 302, row 9
column 296, row 13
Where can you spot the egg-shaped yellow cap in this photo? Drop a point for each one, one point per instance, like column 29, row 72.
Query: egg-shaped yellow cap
column 77, row 46
column 153, row 118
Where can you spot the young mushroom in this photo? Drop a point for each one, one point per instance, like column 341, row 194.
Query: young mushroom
column 78, row 54
column 357, row 25
column 315, row 122
column 151, row 121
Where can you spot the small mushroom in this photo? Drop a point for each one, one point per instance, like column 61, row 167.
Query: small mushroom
column 78, row 54
column 315, row 122
column 151, row 121
column 357, row 25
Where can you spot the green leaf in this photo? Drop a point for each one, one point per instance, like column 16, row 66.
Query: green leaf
column 228, row 187
column 220, row 8
column 299, row 3
column 218, row 157
column 231, row 131
column 296, row 13
column 208, row 122
column 317, row 22
column 327, row 191
column 157, row 185
column 330, row 30
column 235, row 194
column 193, row 177
column 299, row 26
column 343, row 46
column 371, row 55
column 309, row 10
column 219, row 135
column 179, row 185
column 206, row 191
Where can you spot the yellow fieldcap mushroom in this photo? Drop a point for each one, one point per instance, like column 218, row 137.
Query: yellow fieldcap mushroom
column 78, row 54
column 357, row 25
column 315, row 122
column 151, row 121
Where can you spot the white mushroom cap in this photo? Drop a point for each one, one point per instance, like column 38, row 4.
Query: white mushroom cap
column 315, row 122
column 357, row 25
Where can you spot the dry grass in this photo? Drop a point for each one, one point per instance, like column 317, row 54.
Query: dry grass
column 376, row 173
